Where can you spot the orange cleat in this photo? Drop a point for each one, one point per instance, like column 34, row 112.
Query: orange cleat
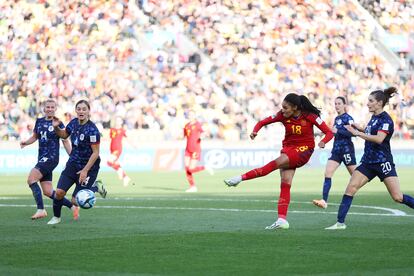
column 75, row 211
column 320, row 203
column 39, row 214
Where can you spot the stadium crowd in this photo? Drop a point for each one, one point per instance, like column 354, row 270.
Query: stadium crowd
column 149, row 62
column 394, row 16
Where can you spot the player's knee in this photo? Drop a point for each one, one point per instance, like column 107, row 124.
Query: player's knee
column 351, row 190
column 47, row 193
column 74, row 201
column 397, row 197
column 60, row 194
column 31, row 180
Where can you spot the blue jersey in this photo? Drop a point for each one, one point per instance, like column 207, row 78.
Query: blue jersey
column 379, row 153
column 48, row 140
column 343, row 138
column 82, row 137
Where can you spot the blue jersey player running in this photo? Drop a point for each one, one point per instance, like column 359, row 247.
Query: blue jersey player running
column 47, row 160
column 83, row 165
column 343, row 150
column 377, row 159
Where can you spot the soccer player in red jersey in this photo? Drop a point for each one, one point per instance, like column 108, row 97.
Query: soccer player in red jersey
column 192, row 132
column 117, row 134
column 298, row 115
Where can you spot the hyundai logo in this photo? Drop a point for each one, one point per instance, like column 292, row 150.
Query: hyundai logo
column 216, row 159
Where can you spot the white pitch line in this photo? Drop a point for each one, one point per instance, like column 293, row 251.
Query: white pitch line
column 395, row 212
column 216, row 209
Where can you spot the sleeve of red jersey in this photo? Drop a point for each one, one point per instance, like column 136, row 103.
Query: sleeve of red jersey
column 323, row 127
column 269, row 120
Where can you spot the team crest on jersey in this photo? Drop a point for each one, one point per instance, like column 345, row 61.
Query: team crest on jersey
column 81, row 137
column 319, row 120
column 50, row 128
column 303, row 122
column 339, row 122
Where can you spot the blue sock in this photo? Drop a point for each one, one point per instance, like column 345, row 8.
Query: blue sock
column 57, row 207
column 326, row 187
column 344, row 207
column 408, row 200
column 37, row 194
column 66, row 202
column 94, row 188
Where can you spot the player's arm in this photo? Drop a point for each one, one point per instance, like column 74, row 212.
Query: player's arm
column 357, row 127
column 325, row 129
column 345, row 133
column 377, row 138
column 269, row 120
column 61, row 132
column 67, row 145
column 29, row 141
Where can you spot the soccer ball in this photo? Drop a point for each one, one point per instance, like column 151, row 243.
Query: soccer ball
column 85, row 199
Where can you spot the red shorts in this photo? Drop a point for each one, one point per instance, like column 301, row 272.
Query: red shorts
column 193, row 155
column 298, row 156
column 116, row 152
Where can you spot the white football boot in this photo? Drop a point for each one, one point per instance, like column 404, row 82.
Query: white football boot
column 54, row 220
column 280, row 223
column 101, row 189
column 337, row 226
column 192, row 189
column 234, row 181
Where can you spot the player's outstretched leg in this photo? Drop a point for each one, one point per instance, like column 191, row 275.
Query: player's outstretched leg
column 258, row 172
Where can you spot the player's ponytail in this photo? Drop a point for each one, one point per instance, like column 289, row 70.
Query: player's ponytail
column 302, row 103
column 308, row 106
column 384, row 95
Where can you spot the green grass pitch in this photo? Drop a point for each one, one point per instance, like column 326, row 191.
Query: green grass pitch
column 154, row 228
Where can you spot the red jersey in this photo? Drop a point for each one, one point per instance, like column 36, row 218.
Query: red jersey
column 192, row 131
column 298, row 131
column 116, row 134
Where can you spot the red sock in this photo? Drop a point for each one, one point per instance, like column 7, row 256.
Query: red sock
column 123, row 173
column 116, row 166
column 190, row 177
column 266, row 169
column 284, row 200
column 197, row 169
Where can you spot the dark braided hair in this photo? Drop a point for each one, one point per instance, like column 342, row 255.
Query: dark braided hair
column 302, row 103
column 384, row 95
